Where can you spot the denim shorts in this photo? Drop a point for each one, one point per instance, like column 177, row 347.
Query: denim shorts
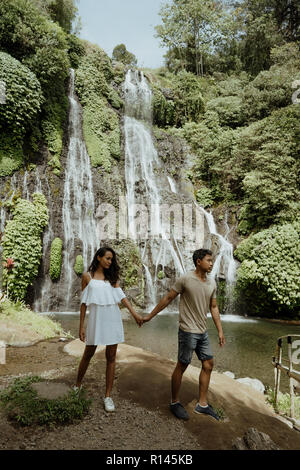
column 190, row 342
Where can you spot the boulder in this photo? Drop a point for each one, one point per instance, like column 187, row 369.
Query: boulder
column 254, row 383
column 17, row 335
column 229, row 374
column 254, row 440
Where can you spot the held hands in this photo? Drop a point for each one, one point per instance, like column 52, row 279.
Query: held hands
column 141, row 320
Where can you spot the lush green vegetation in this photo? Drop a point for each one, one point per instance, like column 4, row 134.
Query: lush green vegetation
column 268, row 277
column 244, row 61
column 284, row 403
column 35, row 66
column 101, row 127
column 177, row 99
column 22, row 404
column 22, row 243
column 120, row 54
column 202, row 36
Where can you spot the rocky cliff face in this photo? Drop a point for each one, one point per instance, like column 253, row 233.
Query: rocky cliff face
column 108, row 188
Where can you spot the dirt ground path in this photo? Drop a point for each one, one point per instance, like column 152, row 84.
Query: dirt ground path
column 142, row 420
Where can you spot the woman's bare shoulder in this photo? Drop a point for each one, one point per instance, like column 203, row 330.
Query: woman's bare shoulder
column 85, row 279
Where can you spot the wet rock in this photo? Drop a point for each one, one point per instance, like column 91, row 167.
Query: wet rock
column 254, row 383
column 229, row 374
column 254, row 440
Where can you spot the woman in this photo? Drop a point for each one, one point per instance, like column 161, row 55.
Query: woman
column 102, row 293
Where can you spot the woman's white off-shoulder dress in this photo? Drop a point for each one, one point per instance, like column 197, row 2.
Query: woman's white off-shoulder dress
column 104, row 325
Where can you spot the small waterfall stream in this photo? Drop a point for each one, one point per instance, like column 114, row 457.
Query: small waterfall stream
column 225, row 255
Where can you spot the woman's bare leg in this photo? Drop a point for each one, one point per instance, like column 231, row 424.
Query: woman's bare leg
column 110, row 353
column 84, row 363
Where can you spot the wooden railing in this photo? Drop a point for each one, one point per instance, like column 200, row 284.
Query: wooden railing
column 294, row 375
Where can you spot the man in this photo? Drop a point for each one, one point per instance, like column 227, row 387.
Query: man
column 197, row 297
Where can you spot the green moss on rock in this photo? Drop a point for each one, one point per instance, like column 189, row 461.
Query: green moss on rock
column 55, row 259
column 79, row 265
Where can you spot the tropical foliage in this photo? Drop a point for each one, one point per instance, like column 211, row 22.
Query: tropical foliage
column 120, row 54
column 22, row 242
column 269, row 274
column 246, row 135
column 100, row 121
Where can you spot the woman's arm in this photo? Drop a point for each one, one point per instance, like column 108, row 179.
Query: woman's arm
column 128, row 305
column 84, row 283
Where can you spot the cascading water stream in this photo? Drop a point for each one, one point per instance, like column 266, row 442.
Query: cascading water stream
column 141, row 165
column 80, row 235
column 144, row 184
column 225, row 255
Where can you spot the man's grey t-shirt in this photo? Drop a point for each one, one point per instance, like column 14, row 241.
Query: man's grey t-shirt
column 194, row 301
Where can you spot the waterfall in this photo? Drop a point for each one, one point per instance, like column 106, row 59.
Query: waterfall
column 78, row 219
column 43, row 287
column 79, row 225
column 146, row 185
column 143, row 186
column 224, row 259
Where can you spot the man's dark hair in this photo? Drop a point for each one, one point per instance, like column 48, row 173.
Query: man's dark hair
column 199, row 254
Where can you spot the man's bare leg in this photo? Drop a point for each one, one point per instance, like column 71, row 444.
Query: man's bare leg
column 176, row 380
column 204, row 379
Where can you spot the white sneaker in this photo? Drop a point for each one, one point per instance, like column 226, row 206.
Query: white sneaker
column 108, row 404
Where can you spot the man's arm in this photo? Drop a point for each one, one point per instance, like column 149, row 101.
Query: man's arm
column 217, row 320
column 163, row 303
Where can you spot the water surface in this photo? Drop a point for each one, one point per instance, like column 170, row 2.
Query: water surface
column 250, row 343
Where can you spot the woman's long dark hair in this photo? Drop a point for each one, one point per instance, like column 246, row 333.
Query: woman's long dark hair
column 112, row 273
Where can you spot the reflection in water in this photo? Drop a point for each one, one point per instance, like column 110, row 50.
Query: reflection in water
column 250, row 343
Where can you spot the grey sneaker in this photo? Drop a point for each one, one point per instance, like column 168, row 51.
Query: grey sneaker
column 207, row 410
column 179, row 411
column 108, row 404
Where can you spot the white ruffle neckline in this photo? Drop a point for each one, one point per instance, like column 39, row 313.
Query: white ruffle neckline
column 101, row 295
